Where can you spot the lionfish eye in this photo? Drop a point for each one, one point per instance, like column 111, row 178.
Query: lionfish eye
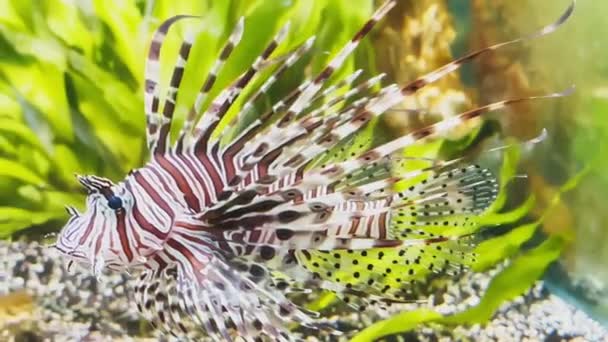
column 115, row 202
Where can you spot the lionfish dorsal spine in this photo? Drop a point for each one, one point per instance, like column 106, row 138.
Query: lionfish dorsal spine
column 288, row 61
column 219, row 107
column 225, row 52
column 151, row 81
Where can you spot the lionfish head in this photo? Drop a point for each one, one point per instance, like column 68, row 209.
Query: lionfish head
column 95, row 237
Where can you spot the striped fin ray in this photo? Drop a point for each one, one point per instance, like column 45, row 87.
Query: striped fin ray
column 219, row 106
column 171, row 98
column 334, row 100
column 345, row 82
column 226, row 51
column 388, row 99
column 327, row 121
column 302, row 96
column 241, row 145
column 334, row 172
column 281, row 138
column 252, row 130
column 307, row 129
column 328, row 102
column 323, row 134
column 289, row 60
column 158, row 300
column 229, row 151
column 152, row 77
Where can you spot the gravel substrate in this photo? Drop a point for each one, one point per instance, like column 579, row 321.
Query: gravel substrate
column 73, row 306
column 535, row 316
column 67, row 306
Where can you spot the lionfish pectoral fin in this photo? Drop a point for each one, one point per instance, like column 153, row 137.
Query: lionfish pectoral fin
column 239, row 297
column 159, row 302
column 427, row 233
column 207, row 289
column 367, row 239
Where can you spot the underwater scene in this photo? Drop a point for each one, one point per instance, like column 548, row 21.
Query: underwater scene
column 303, row 170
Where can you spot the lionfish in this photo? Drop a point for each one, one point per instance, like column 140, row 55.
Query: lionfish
column 223, row 233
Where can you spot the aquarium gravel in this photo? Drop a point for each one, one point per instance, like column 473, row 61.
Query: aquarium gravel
column 68, row 306
column 534, row 316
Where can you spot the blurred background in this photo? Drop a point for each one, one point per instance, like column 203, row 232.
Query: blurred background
column 71, row 101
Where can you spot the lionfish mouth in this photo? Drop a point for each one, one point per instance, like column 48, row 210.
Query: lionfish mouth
column 71, row 256
column 76, row 254
column 96, row 263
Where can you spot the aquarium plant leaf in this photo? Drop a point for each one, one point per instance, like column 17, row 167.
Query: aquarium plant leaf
column 513, row 281
column 20, row 132
column 492, row 251
column 491, row 218
column 399, row 323
column 15, row 219
column 13, row 169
